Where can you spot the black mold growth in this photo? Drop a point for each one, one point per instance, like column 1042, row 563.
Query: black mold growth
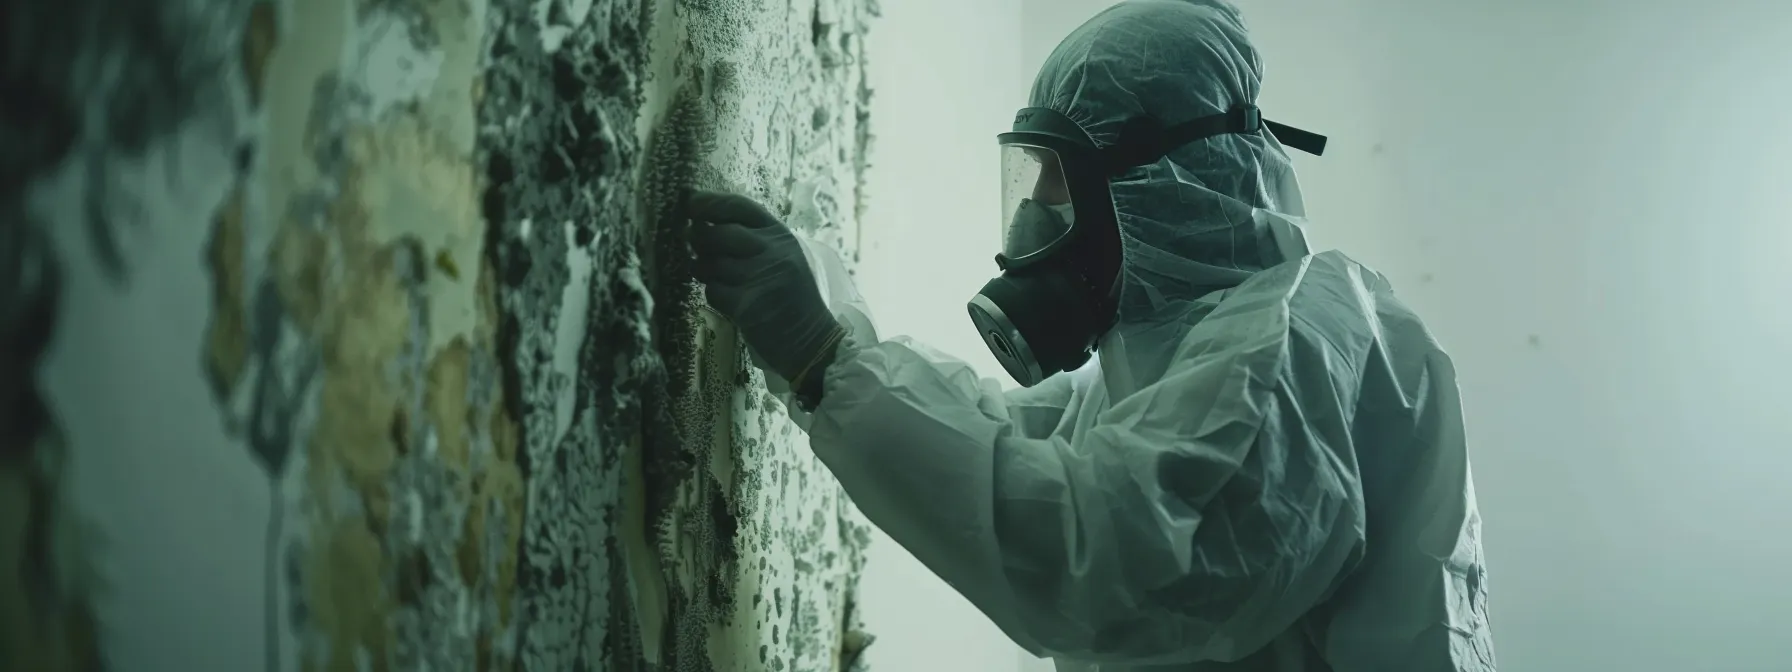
column 559, row 147
column 678, row 144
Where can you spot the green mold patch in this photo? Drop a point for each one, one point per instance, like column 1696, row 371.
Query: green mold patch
column 346, row 595
column 227, row 337
column 445, row 397
column 412, row 494
column 46, row 621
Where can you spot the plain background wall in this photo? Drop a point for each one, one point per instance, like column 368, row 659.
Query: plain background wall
column 1586, row 199
column 1588, row 203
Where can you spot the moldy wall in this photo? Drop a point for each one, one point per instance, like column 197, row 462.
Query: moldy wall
column 353, row 334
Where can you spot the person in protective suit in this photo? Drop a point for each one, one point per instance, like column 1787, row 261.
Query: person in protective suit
column 1263, row 467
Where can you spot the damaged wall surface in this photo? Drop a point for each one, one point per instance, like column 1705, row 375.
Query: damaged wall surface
column 356, row 334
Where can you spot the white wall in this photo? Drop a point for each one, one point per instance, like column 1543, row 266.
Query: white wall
column 1601, row 215
column 948, row 78
column 1588, row 201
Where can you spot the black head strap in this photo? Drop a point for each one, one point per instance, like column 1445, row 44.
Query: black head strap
column 1143, row 140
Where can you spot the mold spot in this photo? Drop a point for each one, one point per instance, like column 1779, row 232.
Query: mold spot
column 401, row 431
column 299, row 256
column 227, row 338
column 446, row 398
column 413, row 577
column 259, row 37
column 349, row 591
column 444, row 262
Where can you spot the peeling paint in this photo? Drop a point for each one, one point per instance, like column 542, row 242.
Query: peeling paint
column 394, row 56
column 415, row 187
column 411, row 500
column 569, row 332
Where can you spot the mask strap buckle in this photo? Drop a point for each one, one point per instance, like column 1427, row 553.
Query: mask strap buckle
column 1143, row 140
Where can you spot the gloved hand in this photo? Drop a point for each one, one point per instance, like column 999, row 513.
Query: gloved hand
column 754, row 273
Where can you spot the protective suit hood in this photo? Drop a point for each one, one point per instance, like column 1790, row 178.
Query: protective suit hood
column 1211, row 213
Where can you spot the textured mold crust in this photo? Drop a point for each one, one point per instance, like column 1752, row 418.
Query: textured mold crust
column 560, row 98
column 760, row 549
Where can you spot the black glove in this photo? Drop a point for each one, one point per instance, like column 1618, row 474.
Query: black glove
column 754, row 273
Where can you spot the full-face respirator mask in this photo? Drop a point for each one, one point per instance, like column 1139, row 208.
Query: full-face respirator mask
column 1061, row 257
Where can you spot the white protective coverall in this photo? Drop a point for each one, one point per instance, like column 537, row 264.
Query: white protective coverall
column 1264, row 468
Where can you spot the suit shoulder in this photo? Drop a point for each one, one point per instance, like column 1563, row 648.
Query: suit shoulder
column 1354, row 309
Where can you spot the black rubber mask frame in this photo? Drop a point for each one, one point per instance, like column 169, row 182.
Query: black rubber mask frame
column 1142, row 141
column 1048, row 309
column 1084, row 174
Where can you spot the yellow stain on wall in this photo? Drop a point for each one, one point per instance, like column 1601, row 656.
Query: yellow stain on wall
column 399, row 235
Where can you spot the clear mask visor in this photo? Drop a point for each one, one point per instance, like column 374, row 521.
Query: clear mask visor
column 1037, row 211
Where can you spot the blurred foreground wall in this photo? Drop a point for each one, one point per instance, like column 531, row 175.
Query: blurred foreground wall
column 355, row 334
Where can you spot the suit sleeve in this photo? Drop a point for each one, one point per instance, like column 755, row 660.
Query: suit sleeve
column 1194, row 520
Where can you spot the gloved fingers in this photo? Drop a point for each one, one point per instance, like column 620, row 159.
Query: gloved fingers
column 767, row 335
column 726, row 299
column 725, row 208
column 732, row 271
column 721, row 241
